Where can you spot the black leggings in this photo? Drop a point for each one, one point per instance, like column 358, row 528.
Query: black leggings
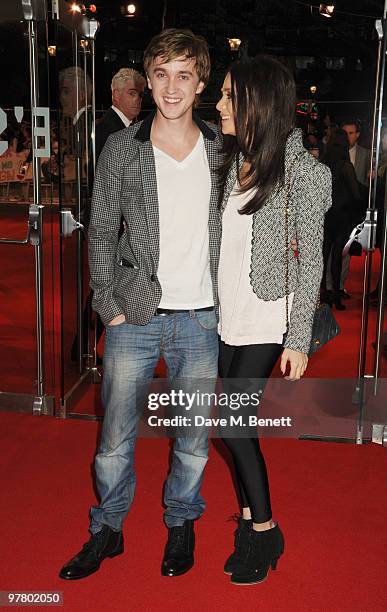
column 253, row 361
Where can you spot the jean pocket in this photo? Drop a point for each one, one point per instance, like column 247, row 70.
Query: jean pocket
column 115, row 325
column 206, row 319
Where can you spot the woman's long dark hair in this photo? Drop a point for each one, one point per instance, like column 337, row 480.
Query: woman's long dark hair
column 263, row 94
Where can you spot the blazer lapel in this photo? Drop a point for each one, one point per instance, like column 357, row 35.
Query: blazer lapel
column 149, row 187
column 213, row 163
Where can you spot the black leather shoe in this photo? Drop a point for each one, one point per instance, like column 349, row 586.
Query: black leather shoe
column 105, row 543
column 178, row 554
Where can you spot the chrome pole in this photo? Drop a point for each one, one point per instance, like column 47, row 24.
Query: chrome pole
column 94, row 159
column 78, row 166
column 38, row 407
column 383, row 250
column 376, row 128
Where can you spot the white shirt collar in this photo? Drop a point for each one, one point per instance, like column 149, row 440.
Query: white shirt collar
column 123, row 117
column 352, row 153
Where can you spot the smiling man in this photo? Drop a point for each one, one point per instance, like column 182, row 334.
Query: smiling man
column 155, row 290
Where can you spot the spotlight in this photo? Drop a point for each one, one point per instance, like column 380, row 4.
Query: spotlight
column 75, row 8
column 52, row 50
column 234, row 43
column 326, row 10
column 131, row 9
column 92, row 8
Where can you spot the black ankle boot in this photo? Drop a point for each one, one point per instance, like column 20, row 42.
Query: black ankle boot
column 178, row 556
column 263, row 550
column 241, row 538
column 105, row 543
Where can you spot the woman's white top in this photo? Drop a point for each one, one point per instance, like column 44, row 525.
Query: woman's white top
column 244, row 318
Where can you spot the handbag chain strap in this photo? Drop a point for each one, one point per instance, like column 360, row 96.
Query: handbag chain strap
column 287, row 245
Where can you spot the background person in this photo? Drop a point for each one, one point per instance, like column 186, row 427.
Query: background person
column 127, row 87
column 346, row 197
column 360, row 158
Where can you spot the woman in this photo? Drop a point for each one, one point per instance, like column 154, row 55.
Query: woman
column 264, row 160
column 340, row 220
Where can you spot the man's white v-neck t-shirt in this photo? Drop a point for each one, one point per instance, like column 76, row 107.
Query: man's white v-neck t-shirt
column 184, row 189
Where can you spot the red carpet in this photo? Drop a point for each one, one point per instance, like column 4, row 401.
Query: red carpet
column 330, row 500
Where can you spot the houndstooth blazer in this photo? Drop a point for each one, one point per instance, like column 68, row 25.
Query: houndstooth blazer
column 310, row 197
column 126, row 186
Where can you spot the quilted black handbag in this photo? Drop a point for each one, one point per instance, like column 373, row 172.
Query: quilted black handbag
column 324, row 328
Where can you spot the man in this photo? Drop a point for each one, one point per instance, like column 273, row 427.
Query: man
column 360, row 158
column 127, row 92
column 74, row 92
column 155, row 290
column 74, row 96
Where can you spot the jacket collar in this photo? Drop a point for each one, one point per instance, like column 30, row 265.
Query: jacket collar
column 294, row 144
column 144, row 131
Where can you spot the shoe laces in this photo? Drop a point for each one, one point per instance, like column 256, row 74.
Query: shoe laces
column 241, row 542
column 176, row 540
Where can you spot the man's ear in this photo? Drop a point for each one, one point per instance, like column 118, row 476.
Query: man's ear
column 149, row 83
column 200, row 87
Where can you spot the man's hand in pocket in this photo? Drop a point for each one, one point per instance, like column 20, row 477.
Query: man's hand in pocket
column 117, row 320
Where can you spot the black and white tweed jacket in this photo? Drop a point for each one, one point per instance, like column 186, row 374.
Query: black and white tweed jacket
column 126, row 186
column 310, row 198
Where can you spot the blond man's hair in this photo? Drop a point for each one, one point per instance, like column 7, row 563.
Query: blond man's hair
column 173, row 43
column 125, row 74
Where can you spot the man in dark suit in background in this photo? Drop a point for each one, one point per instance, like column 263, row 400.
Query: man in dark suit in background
column 360, row 158
column 127, row 91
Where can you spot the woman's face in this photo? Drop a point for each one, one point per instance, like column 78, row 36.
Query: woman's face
column 225, row 108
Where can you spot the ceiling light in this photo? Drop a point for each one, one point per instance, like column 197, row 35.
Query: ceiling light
column 326, row 10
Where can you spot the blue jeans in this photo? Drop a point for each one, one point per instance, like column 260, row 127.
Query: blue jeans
column 189, row 344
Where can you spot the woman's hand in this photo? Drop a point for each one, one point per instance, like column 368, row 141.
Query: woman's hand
column 298, row 363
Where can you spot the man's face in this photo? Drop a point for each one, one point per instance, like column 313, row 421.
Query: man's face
column 68, row 98
column 128, row 98
column 352, row 133
column 174, row 86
